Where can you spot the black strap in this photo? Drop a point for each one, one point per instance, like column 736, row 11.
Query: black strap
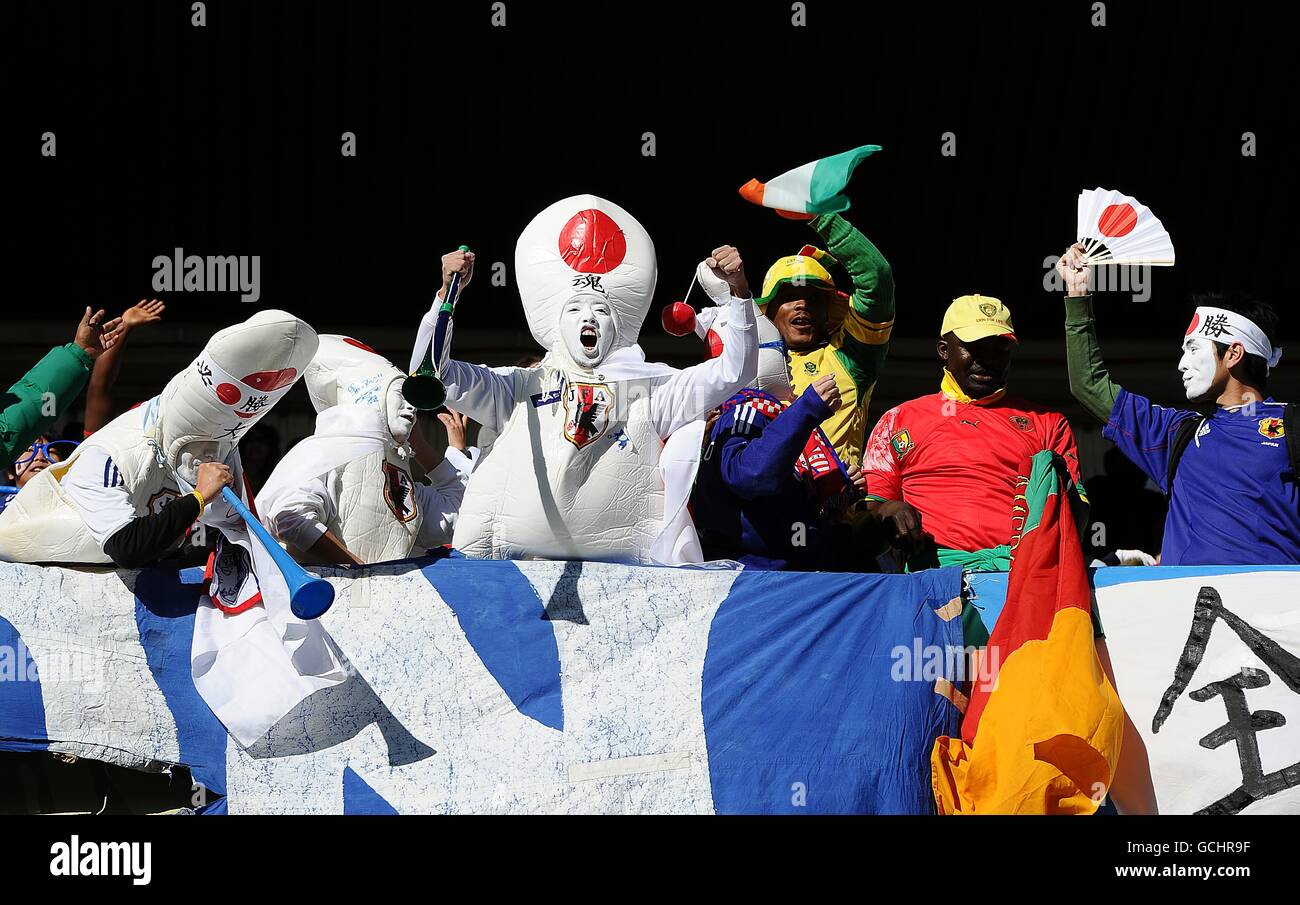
column 1291, row 425
column 1183, row 434
column 1187, row 429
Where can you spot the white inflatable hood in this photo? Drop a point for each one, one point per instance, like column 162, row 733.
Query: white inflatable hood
column 585, row 245
column 238, row 377
column 346, row 371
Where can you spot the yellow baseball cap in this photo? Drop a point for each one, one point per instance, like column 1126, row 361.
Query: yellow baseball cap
column 974, row 317
column 803, row 269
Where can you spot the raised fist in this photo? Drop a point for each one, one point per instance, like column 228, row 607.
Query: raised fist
column 461, row 262
column 726, row 264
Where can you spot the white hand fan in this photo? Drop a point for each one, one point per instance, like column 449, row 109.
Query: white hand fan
column 1118, row 229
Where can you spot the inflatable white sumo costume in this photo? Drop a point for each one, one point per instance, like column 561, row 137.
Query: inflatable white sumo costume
column 352, row 477
column 130, row 467
column 251, row 659
column 580, row 469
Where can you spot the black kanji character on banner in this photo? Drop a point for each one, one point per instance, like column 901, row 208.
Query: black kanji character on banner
column 254, row 404
column 1215, row 325
column 205, row 373
column 1243, row 724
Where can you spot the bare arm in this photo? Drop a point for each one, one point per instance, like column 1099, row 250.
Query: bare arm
column 99, row 394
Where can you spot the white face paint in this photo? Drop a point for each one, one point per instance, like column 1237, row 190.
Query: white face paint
column 1199, row 365
column 195, row 454
column 587, row 329
column 399, row 412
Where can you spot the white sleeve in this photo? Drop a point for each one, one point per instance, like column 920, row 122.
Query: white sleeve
column 693, row 392
column 303, row 514
column 484, row 394
column 94, row 487
column 441, row 500
column 424, row 336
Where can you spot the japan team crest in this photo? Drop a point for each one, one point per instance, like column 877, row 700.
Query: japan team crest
column 398, row 493
column 1272, row 428
column 586, row 412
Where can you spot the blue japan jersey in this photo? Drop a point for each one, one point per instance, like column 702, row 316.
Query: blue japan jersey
column 1236, row 500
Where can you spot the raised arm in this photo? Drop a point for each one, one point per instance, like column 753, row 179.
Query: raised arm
column 758, row 467
column 44, row 393
column 99, row 394
column 864, row 338
column 693, row 392
column 1090, row 382
column 485, row 394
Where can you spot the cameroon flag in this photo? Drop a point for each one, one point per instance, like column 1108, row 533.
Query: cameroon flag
column 1042, row 731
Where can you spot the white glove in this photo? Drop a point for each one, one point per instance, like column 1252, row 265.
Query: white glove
column 714, row 286
column 1134, row 558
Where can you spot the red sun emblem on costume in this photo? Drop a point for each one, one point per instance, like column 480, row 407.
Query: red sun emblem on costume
column 1117, row 220
column 266, row 381
column 228, row 393
column 591, row 242
column 1196, row 319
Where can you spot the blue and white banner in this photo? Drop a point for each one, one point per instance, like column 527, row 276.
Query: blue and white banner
column 532, row 687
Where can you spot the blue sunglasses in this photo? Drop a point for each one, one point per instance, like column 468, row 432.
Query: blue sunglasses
column 54, row 451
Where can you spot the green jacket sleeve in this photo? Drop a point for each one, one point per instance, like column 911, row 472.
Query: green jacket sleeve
column 864, row 339
column 1090, row 382
column 40, row 396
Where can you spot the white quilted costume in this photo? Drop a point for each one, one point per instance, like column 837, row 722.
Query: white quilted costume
column 127, row 469
column 580, row 469
column 353, row 477
column 252, row 661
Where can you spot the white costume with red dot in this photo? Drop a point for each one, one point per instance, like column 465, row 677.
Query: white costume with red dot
column 580, row 469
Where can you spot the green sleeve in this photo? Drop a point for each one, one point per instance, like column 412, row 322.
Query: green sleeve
column 59, row 377
column 864, row 339
column 1090, row 382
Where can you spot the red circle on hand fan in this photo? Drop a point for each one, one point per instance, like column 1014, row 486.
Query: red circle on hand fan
column 1117, row 220
column 591, row 242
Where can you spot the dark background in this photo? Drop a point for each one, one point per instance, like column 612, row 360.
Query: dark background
column 225, row 140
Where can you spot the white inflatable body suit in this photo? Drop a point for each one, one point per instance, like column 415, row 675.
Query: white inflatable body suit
column 353, row 476
column 128, row 469
column 580, row 469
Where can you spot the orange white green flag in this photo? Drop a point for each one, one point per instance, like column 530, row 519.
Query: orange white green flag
column 812, row 189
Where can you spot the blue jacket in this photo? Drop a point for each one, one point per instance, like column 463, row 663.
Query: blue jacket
column 749, row 503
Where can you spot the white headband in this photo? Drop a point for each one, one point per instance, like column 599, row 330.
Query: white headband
column 1230, row 327
column 245, row 401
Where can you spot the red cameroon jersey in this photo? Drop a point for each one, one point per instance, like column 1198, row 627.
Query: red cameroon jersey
column 957, row 463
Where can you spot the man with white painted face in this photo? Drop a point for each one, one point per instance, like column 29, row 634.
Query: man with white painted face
column 1231, row 476
column 130, row 493
column 346, row 494
column 592, row 459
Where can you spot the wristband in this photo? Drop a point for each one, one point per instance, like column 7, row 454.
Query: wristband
column 202, row 503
